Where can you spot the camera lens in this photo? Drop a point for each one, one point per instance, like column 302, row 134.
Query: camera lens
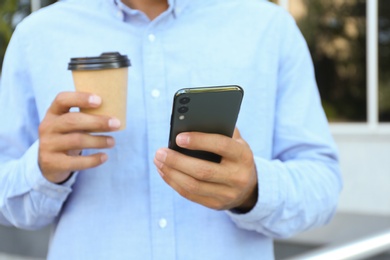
column 182, row 110
column 184, row 100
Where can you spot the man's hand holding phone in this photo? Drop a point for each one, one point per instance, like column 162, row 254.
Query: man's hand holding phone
column 230, row 184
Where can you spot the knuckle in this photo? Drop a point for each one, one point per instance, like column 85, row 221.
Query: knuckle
column 184, row 193
column 206, row 173
column 100, row 123
column 60, row 98
column 247, row 157
column 48, row 164
column 245, row 154
column 76, row 140
column 172, row 160
column 230, row 196
column 222, row 145
column 216, row 205
column 192, row 186
column 241, row 180
column 44, row 144
column 44, row 160
column 70, row 120
column 43, row 127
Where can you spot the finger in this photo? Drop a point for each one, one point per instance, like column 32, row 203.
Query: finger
column 77, row 163
column 74, row 152
column 219, row 144
column 186, row 183
column 196, row 168
column 54, row 166
column 80, row 141
column 214, row 196
column 66, row 100
column 72, row 122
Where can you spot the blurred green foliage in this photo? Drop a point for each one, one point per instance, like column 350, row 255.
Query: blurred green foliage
column 7, row 11
column 336, row 34
column 384, row 60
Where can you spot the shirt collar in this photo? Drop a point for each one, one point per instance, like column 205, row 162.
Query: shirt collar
column 175, row 6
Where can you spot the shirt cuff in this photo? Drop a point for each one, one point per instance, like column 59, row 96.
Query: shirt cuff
column 268, row 195
column 37, row 182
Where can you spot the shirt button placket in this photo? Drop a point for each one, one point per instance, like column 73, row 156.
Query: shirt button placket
column 161, row 195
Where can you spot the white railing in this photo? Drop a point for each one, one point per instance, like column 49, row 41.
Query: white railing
column 372, row 64
column 360, row 249
column 35, row 5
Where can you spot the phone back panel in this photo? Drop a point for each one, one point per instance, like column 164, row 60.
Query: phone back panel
column 208, row 110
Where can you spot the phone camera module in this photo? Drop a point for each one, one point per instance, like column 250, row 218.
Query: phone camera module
column 184, row 100
column 183, row 110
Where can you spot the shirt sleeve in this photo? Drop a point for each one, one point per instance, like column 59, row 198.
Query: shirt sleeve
column 299, row 187
column 27, row 199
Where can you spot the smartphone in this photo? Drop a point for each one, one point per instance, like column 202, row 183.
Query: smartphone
column 205, row 109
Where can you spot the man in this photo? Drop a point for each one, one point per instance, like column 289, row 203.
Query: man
column 122, row 195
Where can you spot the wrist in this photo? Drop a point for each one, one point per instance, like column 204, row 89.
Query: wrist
column 249, row 203
column 67, row 179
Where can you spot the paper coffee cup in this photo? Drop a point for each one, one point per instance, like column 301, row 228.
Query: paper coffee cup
column 106, row 76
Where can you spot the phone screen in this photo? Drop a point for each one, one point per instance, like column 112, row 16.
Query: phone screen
column 205, row 109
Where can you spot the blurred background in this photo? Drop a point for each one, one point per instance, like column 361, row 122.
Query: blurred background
column 350, row 45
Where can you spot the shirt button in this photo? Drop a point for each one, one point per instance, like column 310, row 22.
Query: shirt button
column 155, row 93
column 163, row 223
column 120, row 14
column 152, row 37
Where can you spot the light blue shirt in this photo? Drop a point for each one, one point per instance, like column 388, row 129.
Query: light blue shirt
column 123, row 209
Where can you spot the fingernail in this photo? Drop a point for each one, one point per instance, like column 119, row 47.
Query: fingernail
column 161, row 156
column 110, row 141
column 182, row 139
column 114, row 123
column 94, row 100
column 103, row 158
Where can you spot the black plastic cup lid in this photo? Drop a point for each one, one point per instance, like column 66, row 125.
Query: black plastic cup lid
column 107, row 60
